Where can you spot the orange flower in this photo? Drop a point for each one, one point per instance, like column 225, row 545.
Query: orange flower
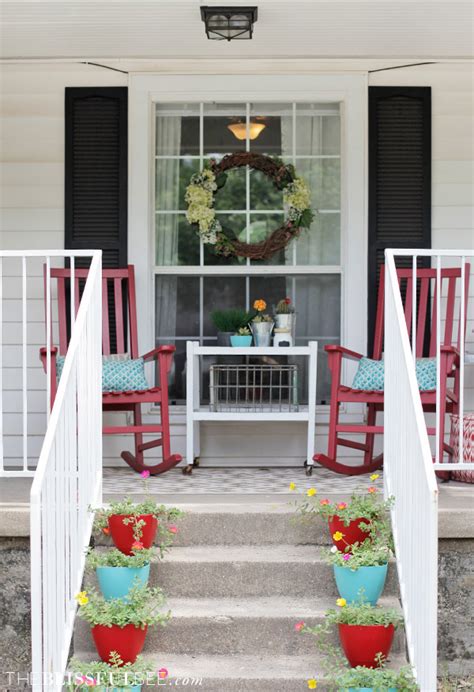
column 342, row 505
column 137, row 545
column 324, row 502
column 372, row 489
column 173, row 529
column 106, row 530
column 260, row 305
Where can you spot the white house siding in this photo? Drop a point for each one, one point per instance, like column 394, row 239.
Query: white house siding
column 32, row 216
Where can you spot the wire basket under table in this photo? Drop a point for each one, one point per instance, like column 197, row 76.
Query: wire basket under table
column 248, row 388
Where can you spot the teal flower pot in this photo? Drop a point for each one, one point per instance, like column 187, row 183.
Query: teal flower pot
column 116, row 582
column 241, row 340
column 369, row 579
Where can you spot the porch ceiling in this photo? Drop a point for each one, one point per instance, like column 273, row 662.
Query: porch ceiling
column 168, row 29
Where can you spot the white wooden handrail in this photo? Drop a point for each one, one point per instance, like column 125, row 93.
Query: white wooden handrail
column 67, row 480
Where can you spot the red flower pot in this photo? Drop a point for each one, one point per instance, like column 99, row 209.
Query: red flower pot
column 122, row 534
column 352, row 533
column 362, row 643
column 128, row 641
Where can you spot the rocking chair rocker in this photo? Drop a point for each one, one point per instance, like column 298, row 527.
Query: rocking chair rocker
column 374, row 400
column 114, row 328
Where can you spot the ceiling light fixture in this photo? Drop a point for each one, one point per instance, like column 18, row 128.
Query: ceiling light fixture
column 239, row 130
column 229, row 23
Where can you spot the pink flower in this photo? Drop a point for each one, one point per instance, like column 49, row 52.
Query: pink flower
column 173, row 529
column 145, row 474
column 162, row 673
column 324, row 502
column 342, row 505
column 137, row 545
column 346, row 557
column 299, row 626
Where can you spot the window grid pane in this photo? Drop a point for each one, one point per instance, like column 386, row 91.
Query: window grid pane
column 186, row 136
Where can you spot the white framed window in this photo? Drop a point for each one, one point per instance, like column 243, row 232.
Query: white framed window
column 333, row 261
column 187, row 135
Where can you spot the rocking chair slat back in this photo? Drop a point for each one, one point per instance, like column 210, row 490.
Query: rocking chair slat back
column 425, row 279
column 116, row 285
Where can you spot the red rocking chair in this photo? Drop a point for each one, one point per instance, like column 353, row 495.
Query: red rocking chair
column 374, row 400
column 120, row 282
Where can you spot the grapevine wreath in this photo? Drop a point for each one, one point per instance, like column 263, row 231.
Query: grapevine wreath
column 204, row 185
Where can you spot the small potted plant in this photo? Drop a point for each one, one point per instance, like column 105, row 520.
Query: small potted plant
column 228, row 322
column 117, row 572
column 284, row 314
column 114, row 675
column 134, row 526
column 360, row 572
column 362, row 679
column 363, row 517
column 365, row 632
column 121, row 625
column 243, row 337
column 261, row 324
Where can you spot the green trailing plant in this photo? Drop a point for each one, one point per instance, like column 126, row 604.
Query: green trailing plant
column 377, row 678
column 231, row 320
column 284, row 307
column 244, row 331
column 115, row 558
column 143, row 606
column 366, row 554
column 116, row 674
column 362, row 614
column 166, row 516
column 369, row 506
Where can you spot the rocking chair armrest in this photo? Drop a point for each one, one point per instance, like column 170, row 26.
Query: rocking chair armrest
column 345, row 352
column 452, row 356
column 159, row 350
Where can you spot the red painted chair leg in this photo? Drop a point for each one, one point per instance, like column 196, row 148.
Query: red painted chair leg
column 345, row 469
column 139, row 465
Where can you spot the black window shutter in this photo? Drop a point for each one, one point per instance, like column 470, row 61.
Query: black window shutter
column 96, row 171
column 399, row 178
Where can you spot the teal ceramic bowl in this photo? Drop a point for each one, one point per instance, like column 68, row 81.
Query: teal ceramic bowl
column 369, row 581
column 116, row 582
column 240, row 340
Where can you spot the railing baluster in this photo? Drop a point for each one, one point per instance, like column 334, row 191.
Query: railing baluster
column 24, row 364
column 462, row 335
column 438, row 356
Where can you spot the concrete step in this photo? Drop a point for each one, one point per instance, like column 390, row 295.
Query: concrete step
column 239, row 673
column 237, row 626
column 247, row 571
column 245, row 524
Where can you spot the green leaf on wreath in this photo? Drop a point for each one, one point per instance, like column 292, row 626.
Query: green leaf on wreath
column 221, row 179
column 306, row 218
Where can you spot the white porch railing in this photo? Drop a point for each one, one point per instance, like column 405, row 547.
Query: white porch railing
column 409, row 467
column 67, row 479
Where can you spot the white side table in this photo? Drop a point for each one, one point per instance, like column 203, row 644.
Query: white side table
column 195, row 412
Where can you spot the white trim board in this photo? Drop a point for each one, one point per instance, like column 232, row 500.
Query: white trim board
column 349, row 90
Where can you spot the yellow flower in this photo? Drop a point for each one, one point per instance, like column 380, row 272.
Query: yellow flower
column 259, row 305
column 292, row 486
column 311, row 492
column 338, row 536
column 341, row 602
column 81, row 598
column 312, row 684
column 374, row 476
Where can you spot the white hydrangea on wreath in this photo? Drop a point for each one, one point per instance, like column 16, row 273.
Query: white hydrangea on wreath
column 203, row 186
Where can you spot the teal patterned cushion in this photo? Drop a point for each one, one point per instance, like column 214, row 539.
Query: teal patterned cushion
column 117, row 375
column 370, row 375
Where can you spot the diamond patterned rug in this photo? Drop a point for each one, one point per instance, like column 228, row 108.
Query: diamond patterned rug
column 242, row 481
